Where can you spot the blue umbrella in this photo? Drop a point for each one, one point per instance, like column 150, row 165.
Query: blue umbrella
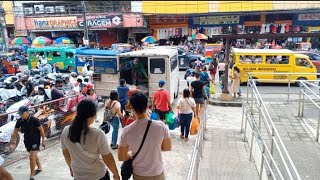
column 63, row 40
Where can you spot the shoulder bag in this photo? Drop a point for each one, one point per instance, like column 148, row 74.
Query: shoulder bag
column 126, row 167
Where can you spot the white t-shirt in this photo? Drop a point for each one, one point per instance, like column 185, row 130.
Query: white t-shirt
column 190, row 79
column 221, row 66
column 185, row 105
column 114, row 106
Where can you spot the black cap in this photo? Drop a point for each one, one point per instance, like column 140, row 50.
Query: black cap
column 23, row 109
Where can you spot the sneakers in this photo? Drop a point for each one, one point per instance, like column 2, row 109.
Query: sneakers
column 114, row 146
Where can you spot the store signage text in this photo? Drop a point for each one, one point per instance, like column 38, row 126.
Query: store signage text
column 55, row 22
column 170, row 19
column 309, row 17
column 140, row 30
column 216, row 20
column 103, row 21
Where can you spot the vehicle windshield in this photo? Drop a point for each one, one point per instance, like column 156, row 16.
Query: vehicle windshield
column 317, row 57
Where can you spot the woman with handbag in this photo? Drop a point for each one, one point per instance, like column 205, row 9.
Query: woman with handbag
column 141, row 143
column 85, row 149
column 114, row 105
column 186, row 106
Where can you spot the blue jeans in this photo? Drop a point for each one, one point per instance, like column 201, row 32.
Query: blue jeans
column 115, row 125
column 185, row 121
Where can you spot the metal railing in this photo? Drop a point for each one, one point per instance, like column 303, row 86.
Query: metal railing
column 289, row 79
column 306, row 91
column 53, row 116
column 278, row 163
column 193, row 172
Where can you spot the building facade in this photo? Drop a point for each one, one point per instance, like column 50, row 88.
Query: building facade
column 222, row 17
column 9, row 18
column 122, row 21
column 108, row 22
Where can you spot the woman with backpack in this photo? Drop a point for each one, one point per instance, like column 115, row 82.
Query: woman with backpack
column 114, row 106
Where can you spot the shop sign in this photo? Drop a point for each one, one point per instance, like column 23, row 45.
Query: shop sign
column 309, row 17
column 170, row 19
column 102, row 21
column 55, row 22
column 140, row 30
column 306, row 19
column 20, row 33
column 215, row 20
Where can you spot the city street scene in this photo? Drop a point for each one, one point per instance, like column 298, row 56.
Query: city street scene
column 155, row 90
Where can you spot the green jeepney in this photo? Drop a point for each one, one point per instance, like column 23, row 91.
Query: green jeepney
column 62, row 55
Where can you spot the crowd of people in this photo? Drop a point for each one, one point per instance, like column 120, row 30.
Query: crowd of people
column 87, row 150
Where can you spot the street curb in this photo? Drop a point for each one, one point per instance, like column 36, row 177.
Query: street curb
column 235, row 103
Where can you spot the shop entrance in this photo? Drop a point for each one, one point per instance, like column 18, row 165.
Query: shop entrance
column 140, row 36
column 123, row 35
column 135, row 71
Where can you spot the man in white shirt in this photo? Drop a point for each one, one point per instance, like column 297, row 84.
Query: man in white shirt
column 191, row 78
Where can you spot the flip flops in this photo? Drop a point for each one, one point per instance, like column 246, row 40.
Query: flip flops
column 37, row 171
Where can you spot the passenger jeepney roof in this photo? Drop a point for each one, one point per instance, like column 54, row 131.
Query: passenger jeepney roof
column 97, row 52
column 262, row 51
column 150, row 52
column 51, row 48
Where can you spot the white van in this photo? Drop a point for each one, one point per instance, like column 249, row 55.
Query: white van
column 143, row 69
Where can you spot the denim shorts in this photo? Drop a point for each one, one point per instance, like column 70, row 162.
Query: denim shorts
column 199, row 100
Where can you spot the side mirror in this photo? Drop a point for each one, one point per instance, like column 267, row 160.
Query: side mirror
column 183, row 54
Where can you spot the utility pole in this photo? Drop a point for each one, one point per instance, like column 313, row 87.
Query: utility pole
column 85, row 26
column 226, row 71
column 3, row 27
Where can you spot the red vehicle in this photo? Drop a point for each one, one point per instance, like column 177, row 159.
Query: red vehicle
column 314, row 57
column 9, row 65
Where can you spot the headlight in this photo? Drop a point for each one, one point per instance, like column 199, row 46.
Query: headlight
column 202, row 58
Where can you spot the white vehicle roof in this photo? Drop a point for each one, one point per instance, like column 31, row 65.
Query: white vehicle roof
column 262, row 51
column 149, row 52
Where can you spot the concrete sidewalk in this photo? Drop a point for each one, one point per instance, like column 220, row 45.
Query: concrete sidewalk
column 224, row 152
column 226, row 155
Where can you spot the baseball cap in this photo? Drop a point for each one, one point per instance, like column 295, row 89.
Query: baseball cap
column 23, row 109
column 162, row 82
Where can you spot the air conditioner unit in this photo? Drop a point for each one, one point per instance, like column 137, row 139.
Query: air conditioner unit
column 28, row 10
column 60, row 9
column 39, row 9
column 49, row 9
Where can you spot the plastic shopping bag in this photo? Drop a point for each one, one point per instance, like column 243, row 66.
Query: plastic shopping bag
column 170, row 117
column 173, row 126
column 194, row 126
column 212, row 88
column 154, row 115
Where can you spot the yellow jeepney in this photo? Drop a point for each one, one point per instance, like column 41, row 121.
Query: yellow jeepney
column 265, row 62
